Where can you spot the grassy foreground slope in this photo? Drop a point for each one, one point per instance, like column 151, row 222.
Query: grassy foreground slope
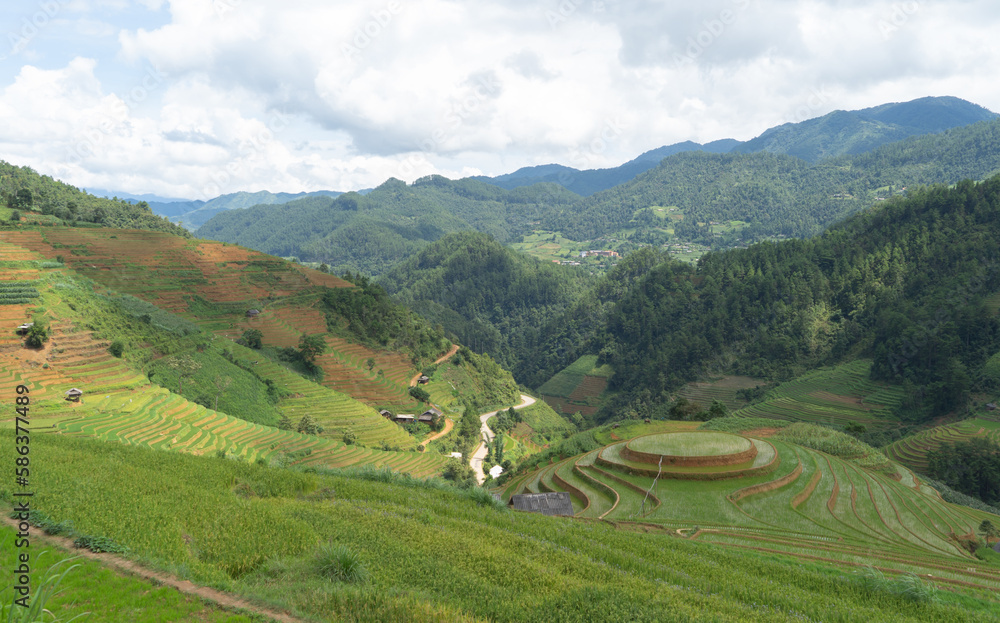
column 431, row 553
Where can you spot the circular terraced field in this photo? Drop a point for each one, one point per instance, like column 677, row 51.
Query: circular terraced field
column 690, row 449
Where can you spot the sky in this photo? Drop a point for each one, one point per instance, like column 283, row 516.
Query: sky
column 196, row 98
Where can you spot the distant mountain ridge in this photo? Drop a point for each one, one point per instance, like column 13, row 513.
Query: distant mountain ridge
column 835, row 134
column 855, row 132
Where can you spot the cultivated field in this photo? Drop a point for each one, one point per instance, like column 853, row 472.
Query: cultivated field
column 788, row 499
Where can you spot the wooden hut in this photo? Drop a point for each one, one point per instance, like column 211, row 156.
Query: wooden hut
column 74, row 394
column 405, row 417
column 424, row 379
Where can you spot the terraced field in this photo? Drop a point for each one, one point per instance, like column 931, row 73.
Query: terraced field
column 214, row 285
column 724, row 390
column 912, row 451
column 578, row 387
column 835, row 395
column 791, row 500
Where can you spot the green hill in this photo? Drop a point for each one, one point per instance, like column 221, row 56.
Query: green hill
column 369, row 233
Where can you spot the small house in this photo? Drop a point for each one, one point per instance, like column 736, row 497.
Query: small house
column 387, row 414
column 455, row 455
column 429, row 415
column 424, row 379
column 23, row 329
column 990, row 406
column 253, row 313
column 74, row 394
column 405, row 417
column 551, row 503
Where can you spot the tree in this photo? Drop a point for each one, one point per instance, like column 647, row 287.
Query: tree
column 307, row 426
column 284, row 423
column 350, row 437
column 323, row 268
column 185, row 367
column 38, row 334
column 23, row 199
column 15, row 216
column 420, row 394
column 253, row 338
column 370, row 363
column 117, row 348
column 222, row 383
column 718, row 409
column 310, row 347
column 988, row 530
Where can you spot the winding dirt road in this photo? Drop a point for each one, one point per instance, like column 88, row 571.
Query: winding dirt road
column 476, row 462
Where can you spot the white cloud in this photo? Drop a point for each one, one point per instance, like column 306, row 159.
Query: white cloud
column 312, row 94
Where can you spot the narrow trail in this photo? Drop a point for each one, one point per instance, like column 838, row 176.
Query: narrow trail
column 441, row 359
column 476, row 462
column 124, row 566
column 448, row 425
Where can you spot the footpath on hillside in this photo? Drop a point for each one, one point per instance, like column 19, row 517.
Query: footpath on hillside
column 124, row 566
column 443, row 358
column 476, row 462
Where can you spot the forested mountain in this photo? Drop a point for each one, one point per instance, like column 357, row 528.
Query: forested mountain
column 589, row 181
column 855, row 132
column 371, row 232
column 834, row 134
column 493, row 299
column 779, row 195
column 194, row 214
column 24, row 190
column 906, row 283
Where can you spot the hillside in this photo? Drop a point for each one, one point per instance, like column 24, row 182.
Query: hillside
column 194, row 214
column 369, row 233
column 868, row 287
column 490, row 297
column 167, row 301
column 732, row 199
column 43, row 199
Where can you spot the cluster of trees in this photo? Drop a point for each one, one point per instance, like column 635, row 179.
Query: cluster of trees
column 368, row 315
column 22, row 189
column 971, row 467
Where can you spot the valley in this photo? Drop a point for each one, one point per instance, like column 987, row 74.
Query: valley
column 747, row 372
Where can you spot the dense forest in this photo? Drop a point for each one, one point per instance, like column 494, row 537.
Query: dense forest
column 493, row 299
column 906, row 283
column 24, row 190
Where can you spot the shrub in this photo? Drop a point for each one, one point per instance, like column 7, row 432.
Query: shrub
column 117, row 348
column 337, row 562
column 350, row 437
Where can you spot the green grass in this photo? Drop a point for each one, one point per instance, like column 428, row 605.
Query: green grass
column 108, row 596
column 690, row 444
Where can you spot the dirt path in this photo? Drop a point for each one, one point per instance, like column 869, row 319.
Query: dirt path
column 441, row 359
column 448, row 425
column 476, row 462
column 127, row 567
